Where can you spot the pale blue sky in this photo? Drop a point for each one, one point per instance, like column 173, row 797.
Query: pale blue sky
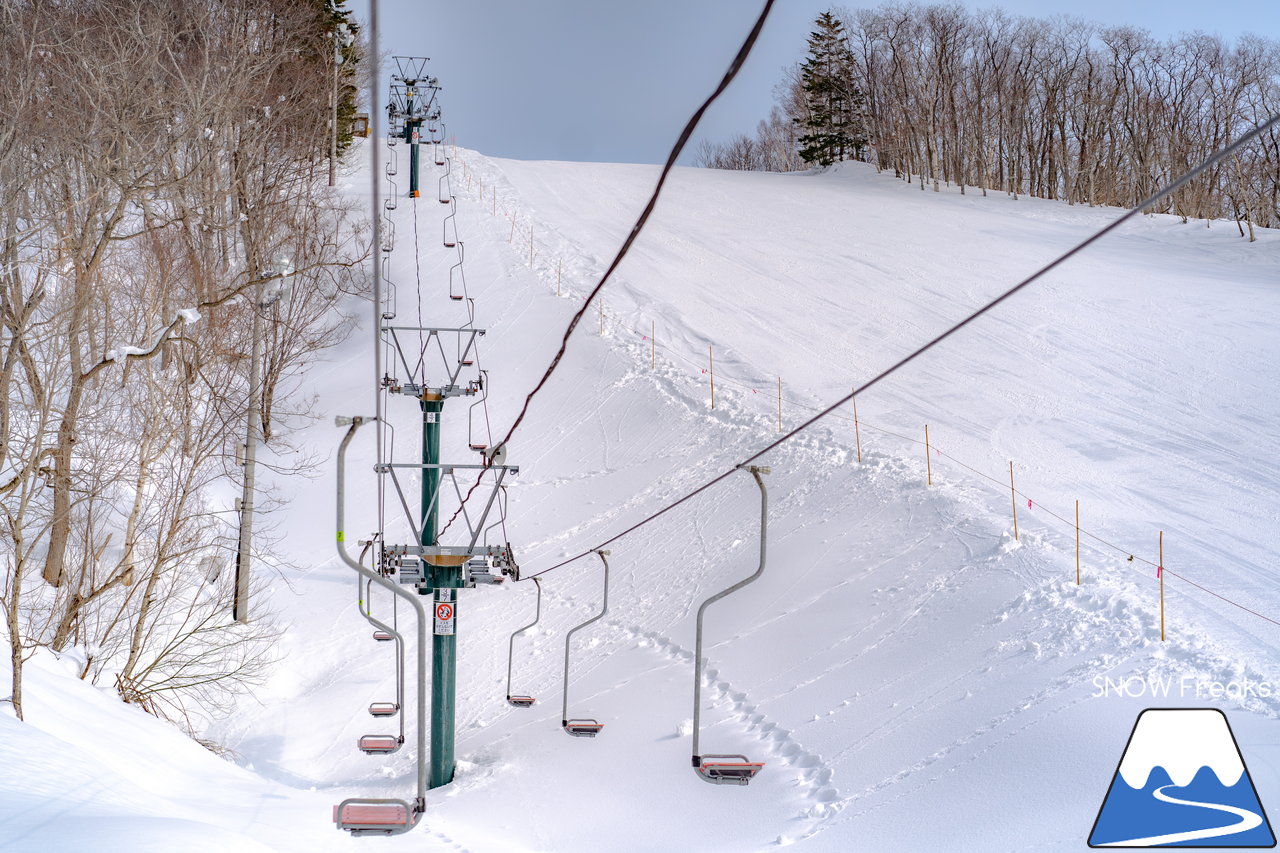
column 615, row 81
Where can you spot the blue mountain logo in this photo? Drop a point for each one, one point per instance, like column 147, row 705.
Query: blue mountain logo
column 1182, row 782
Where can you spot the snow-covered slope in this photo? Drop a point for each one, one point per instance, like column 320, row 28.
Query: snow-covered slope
column 913, row 677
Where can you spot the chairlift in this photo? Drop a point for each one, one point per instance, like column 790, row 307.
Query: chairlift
column 726, row 769
column 472, row 442
column 513, row 700
column 449, row 242
column 583, row 727
column 461, row 293
column 385, row 817
column 381, row 744
column 378, row 744
column 361, row 816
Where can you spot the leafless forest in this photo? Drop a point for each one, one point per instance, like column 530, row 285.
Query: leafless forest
column 154, row 159
column 1057, row 108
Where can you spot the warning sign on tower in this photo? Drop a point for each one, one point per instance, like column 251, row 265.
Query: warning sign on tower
column 444, row 617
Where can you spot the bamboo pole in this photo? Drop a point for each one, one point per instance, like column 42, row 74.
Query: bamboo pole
column 1013, row 496
column 928, row 462
column 512, row 236
column 711, row 368
column 779, row 404
column 602, row 316
column 558, row 264
column 1160, row 572
column 857, row 434
column 1077, row 542
column 495, row 200
column 530, row 247
column 653, row 344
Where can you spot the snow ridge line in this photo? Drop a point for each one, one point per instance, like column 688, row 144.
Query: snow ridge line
column 1132, row 554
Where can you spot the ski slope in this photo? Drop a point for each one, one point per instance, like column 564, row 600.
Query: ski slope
column 913, row 677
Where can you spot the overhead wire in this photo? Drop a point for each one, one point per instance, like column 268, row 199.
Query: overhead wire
column 734, row 67
column 732, row 72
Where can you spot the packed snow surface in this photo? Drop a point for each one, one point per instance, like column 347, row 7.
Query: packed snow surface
column 912, row 675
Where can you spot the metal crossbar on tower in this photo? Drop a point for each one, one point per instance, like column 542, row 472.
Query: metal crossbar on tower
column 412, row 101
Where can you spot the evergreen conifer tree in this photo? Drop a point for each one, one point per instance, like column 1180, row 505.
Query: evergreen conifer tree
column 835, row 129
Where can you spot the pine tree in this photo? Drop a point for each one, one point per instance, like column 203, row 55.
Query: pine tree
column 834, row 125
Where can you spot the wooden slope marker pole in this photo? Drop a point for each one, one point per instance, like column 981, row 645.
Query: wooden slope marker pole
column 530, row 247
column 1077, row 542
column 653, row 344
column 711, row 369
column 779, row 404
column 559, row 262
column 928, row 463
column 495, row 200
column 602, row 316
column 1160, row 573
column 512, row 236
column 857, row 435
column 1013, row 496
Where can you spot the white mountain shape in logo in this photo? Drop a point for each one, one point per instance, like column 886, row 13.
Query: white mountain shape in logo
column 1181, row 742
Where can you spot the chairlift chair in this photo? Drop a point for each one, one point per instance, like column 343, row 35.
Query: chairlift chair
column 384, row 709
column 583, row 727
column 458, row 296
column 449, row 242
column 726, row 769
column 362, row 819
column 383, row 636
column 378, row 744
column 521, row 701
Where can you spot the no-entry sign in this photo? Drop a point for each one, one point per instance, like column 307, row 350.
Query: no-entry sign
column 444, row 617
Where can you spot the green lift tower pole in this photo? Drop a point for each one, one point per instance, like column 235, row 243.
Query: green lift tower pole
column 411, row 126
column 444, row 580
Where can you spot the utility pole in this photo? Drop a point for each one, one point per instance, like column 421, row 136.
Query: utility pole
column 262, row 299
column 333, row 119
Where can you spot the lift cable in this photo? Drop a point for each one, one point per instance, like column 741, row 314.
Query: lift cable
column 685, row 134
column 1172, row 187
column 690, row 126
